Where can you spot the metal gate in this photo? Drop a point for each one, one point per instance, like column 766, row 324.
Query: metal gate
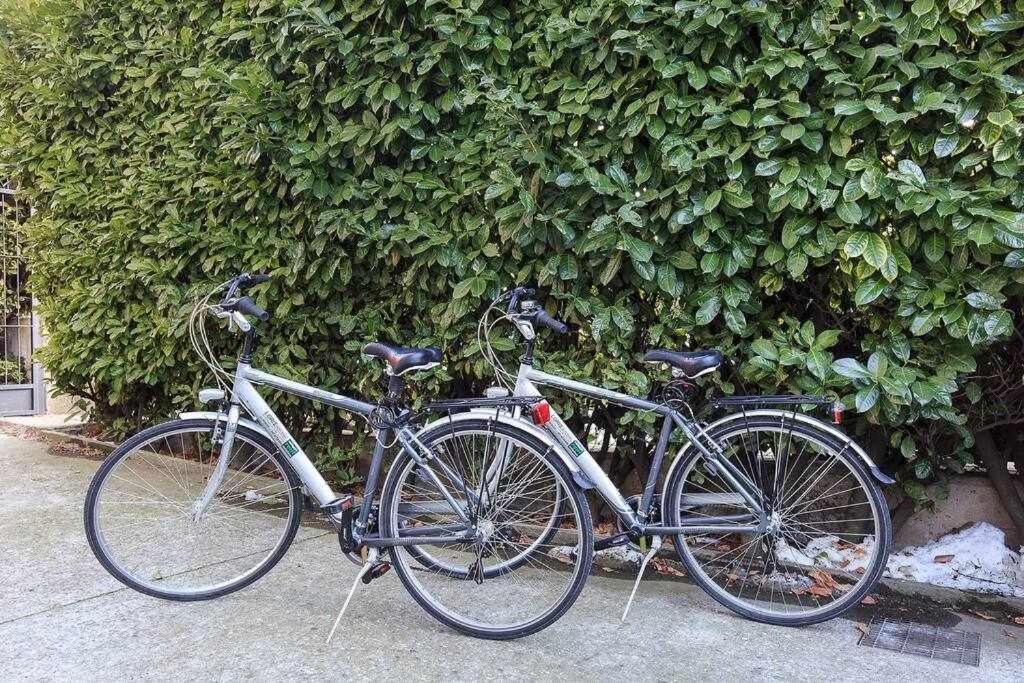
column 21, row 378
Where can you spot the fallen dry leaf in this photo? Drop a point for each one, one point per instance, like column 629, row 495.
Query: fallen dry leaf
column 1018, row 620
column 820, row 591
column 862, row 627
column 664, row 568
column 822, row 579
column 943, row 559
column 986, row 617
column 869, row 600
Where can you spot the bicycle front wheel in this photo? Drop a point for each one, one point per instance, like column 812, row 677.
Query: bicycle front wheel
column 533, row 538
column 823, row 541
column 144, row 525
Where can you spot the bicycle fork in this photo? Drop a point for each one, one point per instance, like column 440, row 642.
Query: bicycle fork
column 202, row 504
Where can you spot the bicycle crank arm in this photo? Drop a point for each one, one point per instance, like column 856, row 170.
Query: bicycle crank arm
column 611, row 542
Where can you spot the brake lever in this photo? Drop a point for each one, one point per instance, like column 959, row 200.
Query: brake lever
column 234, row 317
column 240, row 320
column 524, row 326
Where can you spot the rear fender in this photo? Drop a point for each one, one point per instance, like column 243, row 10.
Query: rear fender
column 525, row 425
column 820, row 425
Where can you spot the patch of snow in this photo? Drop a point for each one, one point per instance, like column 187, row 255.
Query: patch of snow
column 619, row 554
column 562, row 553
column 829, row 552
column 975, row 558
column 252, row 496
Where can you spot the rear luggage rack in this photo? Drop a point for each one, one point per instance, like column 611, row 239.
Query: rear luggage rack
column 457, row 404
column 775, row 400
column 833, row 406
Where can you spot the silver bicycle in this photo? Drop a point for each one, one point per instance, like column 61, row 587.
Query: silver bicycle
column 777, row 515
column 482, row 522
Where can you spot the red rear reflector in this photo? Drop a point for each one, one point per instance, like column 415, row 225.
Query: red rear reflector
column 541, row 413
column 837, row 412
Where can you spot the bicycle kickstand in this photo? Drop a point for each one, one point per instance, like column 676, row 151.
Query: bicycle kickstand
column 655, row 546
column 371, row 561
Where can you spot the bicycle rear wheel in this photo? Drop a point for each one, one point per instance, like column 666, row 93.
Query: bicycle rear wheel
column 534, row 538
column 825, row 541
column 142, row 525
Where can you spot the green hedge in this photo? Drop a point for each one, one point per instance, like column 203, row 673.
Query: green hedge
column 829, row 191
column 10, row 251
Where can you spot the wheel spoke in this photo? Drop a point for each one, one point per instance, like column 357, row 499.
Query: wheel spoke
column 148, row 527
column 820, row 518
column 530, row 556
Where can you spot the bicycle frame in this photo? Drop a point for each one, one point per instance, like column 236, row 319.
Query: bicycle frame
column 245, row 395
column 527, row 381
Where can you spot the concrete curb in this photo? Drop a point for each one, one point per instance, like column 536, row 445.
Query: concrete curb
column 70, row 437
column 622, row 565
column 952, row 597
column 626, row 562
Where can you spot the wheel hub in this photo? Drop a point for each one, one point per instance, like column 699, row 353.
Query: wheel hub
column 484, row 530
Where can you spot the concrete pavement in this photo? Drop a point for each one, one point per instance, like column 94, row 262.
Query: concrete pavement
column 62, row 616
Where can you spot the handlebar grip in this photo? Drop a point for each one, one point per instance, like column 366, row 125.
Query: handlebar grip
column 546, row 320
column 248, row 306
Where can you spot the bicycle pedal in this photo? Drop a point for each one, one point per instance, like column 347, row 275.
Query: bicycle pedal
column 343, row 507
column 376, row 571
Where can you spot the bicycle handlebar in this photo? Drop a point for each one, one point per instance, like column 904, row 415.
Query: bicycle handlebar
column 541, row 317
column 517, row 294
column 244, row 305
column 252, row 279
column 247, row 306
column 244, row 281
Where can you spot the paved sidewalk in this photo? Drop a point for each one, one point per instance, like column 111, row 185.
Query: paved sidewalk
column 62, row 616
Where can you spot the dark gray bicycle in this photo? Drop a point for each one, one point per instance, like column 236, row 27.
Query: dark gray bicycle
column 777, row 515
column 481, row 521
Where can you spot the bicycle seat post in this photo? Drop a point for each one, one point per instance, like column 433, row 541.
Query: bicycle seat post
column 396, row 385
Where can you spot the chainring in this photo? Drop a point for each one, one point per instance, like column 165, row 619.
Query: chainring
column 655, row 518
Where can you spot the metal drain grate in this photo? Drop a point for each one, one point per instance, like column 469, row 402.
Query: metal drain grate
column 933, row 642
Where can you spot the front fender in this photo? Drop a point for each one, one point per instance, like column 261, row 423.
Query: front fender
column 525, row 425
column 213, row 415
column 829, row 429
